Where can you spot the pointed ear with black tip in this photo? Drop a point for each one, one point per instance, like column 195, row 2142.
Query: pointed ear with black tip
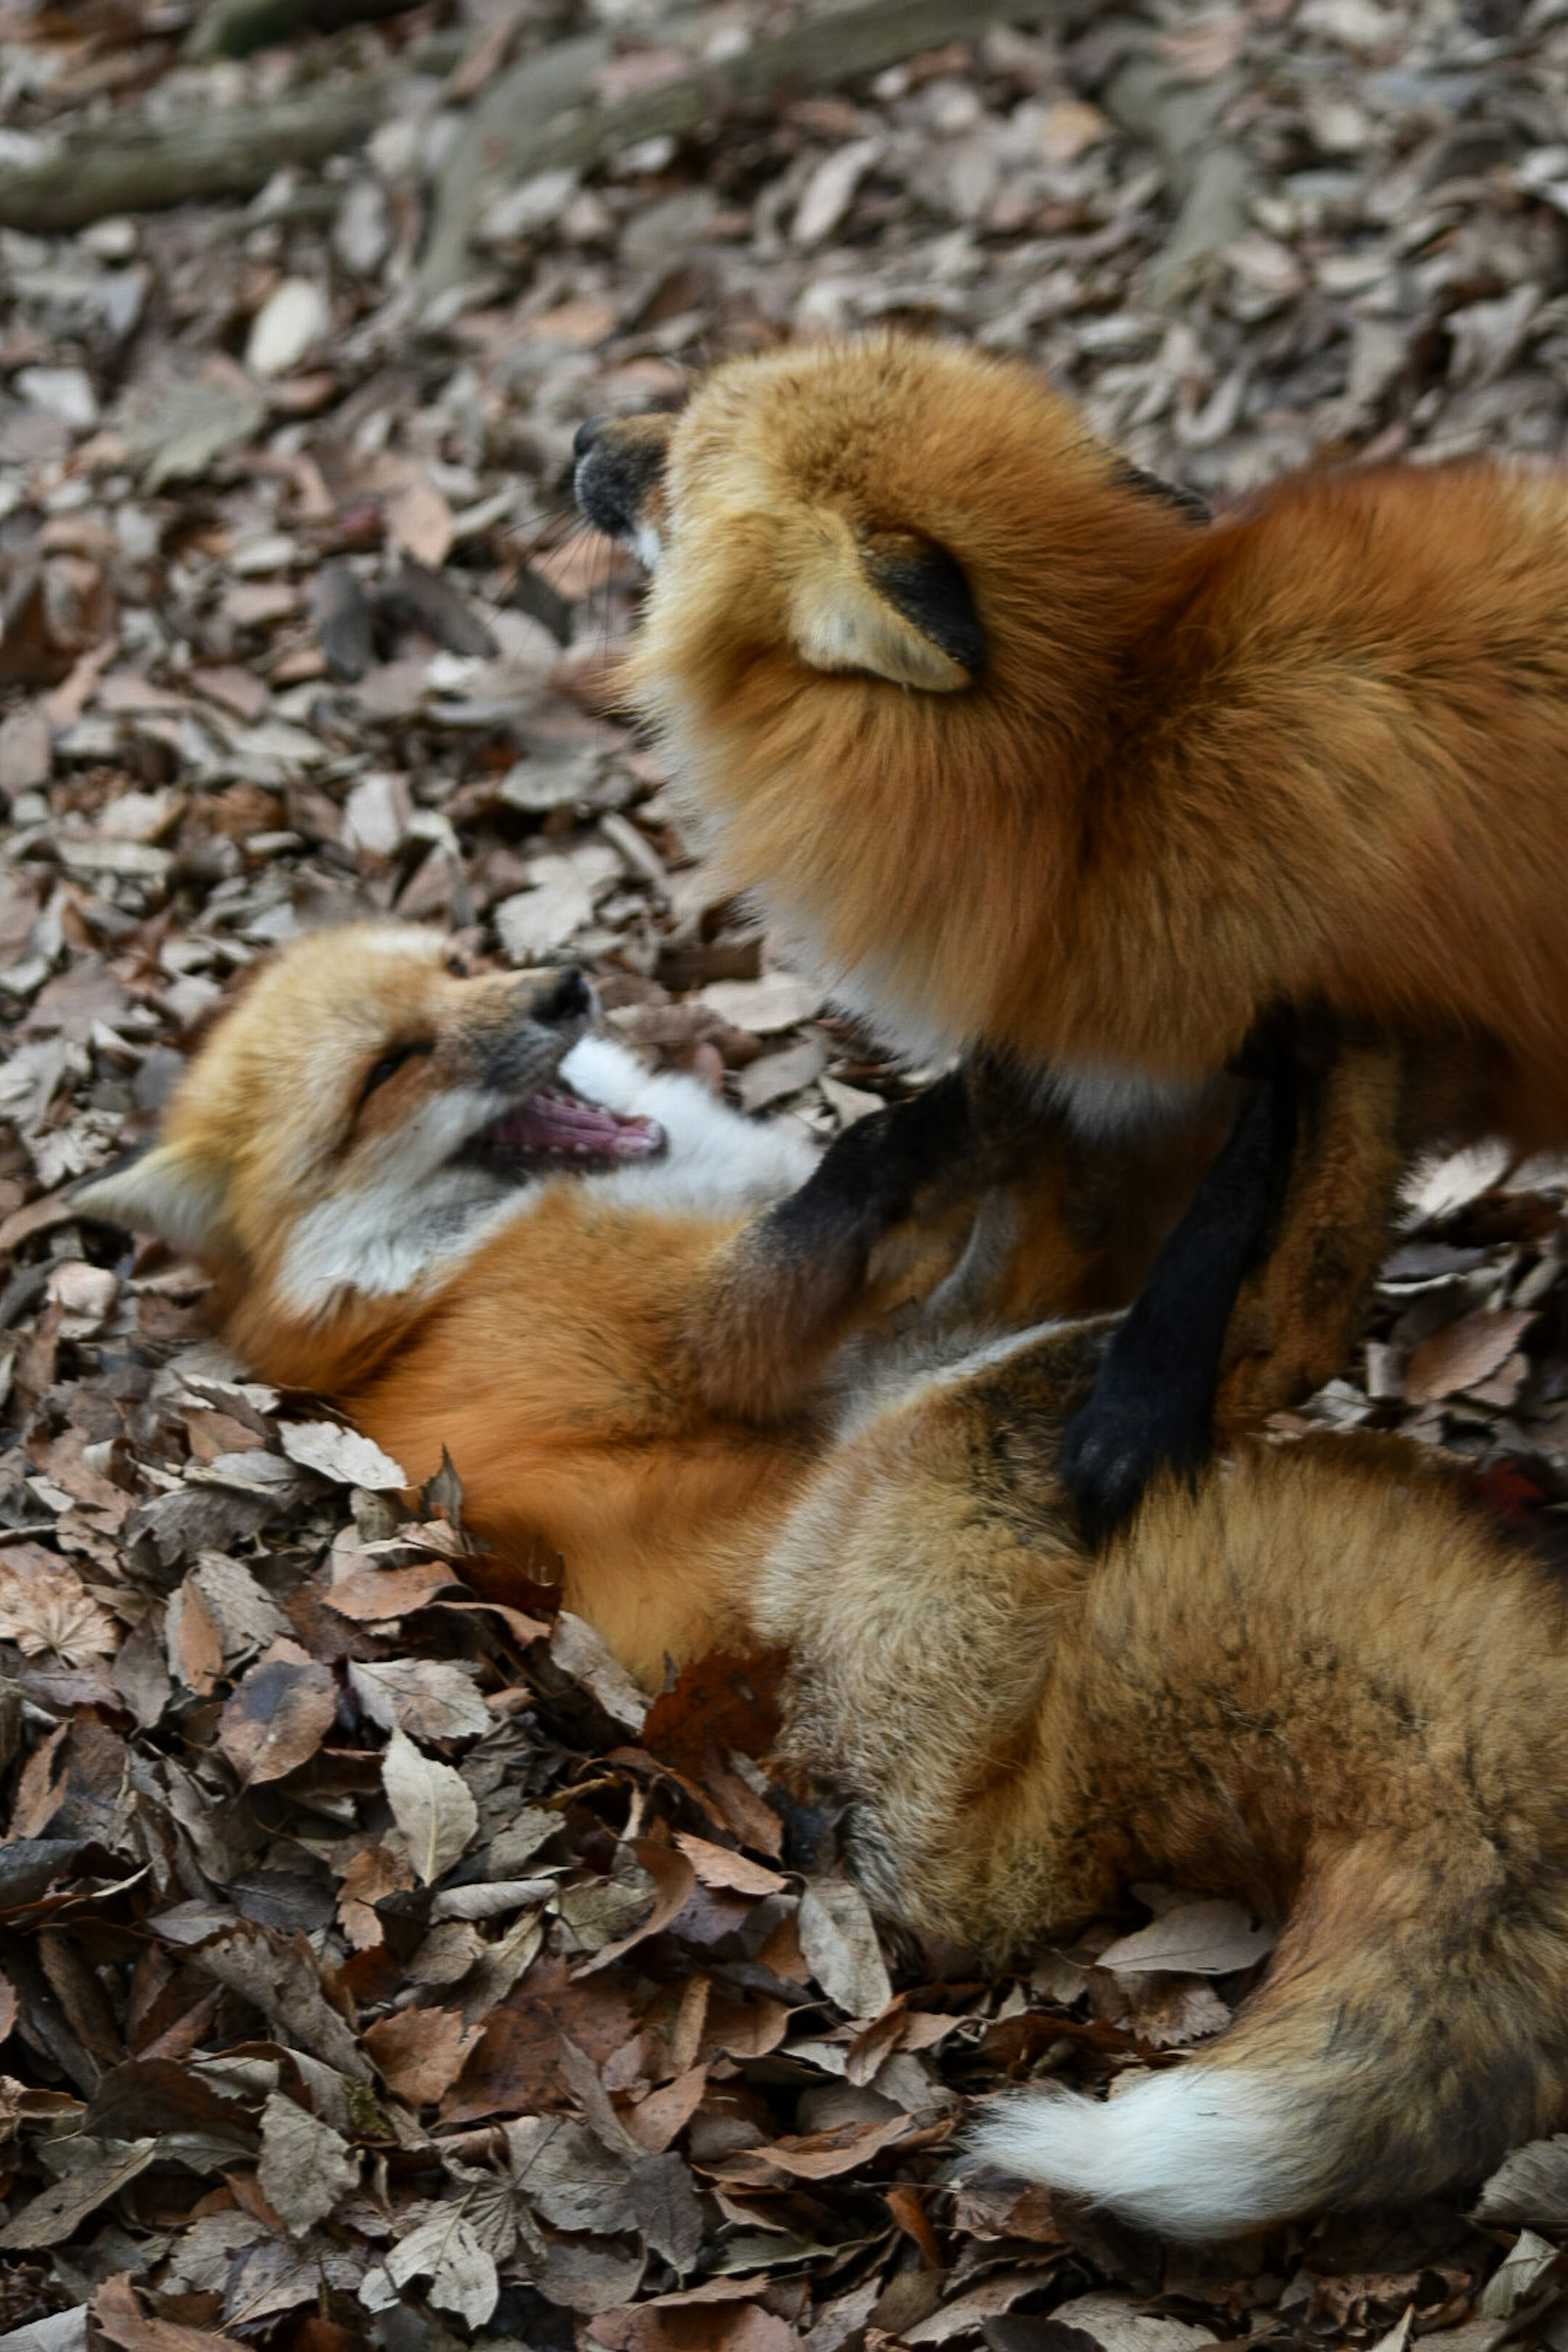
column 900, row 610
column 165, row 1190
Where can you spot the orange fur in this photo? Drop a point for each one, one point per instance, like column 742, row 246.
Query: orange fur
column 1318, row 1682
column 1315, row 752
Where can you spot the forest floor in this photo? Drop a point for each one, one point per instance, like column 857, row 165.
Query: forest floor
column 296, row 623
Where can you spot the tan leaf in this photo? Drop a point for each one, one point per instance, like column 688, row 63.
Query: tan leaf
column 447, row 2252
column 280, row 1976
column 1115, row 2323
column 279, row 1715
column 122, row 2321
column 1208, row 1940
column 419, row 522
column 307, row 2168
column 1528, row 2262
column 432, row 1806
column 815, row 2155
column 430, row 1698
column 777, row 1000
column 50, row 2218
column 579, row 1651
column 340, row 1454
column 373, row 1595
column 47, row 1611
column 195, row 1646
column 839, row 1943
column 1464, row 1353
column 1528, row 2188
column 718, row 1865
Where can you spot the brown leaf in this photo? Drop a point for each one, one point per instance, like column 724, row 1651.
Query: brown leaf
column 279, row 1715
column 282, row 1976
column 51, row 2219
column 420, row 2053
column 815, row 2155
column 717, row 1866
column 122, row 2321
column 673, row 1881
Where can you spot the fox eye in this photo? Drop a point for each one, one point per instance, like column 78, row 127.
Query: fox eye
column 457, row 966
column 390, row 1064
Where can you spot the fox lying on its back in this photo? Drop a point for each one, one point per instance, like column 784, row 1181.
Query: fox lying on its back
column 1318, row 1682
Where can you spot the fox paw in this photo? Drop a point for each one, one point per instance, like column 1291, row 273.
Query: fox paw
column 1110, row 1452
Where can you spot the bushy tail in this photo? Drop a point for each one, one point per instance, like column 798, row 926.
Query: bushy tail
column 1410, row 2031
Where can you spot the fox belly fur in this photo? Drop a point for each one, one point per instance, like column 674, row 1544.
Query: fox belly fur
column 1318, row 1681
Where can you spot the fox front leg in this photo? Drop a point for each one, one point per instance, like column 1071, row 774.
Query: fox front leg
column 786, row 1290
column 1153, row 1399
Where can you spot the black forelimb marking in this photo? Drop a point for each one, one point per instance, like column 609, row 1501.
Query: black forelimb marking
column 868, row 1177
column 1152, row 1403
column 797, row 1270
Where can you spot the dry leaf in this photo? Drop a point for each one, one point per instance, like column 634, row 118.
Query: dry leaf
column 1201, row 1938
column 446, row 2252
column 1463, row 1354
column 426, row 1697
column 420, row 2053
column 279, row 1715
column 839, row 1943
column 1530, row 2188
column 341, row 1454
column 307, row 2168
column 431, row 1805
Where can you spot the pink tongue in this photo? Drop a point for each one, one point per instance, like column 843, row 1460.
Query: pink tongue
column 548, row 1121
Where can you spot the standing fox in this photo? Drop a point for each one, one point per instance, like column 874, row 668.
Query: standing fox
column 1318, row 1681
column 1023, row 756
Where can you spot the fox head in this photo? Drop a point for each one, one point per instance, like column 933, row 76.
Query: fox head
column 359, row 1114
column 892, row 583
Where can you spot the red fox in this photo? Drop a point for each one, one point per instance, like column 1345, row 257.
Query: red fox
column 1317, row 1680
column 1023, row 756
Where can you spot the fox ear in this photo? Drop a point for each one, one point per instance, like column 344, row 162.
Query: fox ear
column 889, row 612
column 166, row 1192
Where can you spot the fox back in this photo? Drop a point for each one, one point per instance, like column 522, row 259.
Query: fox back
column 1025, row 754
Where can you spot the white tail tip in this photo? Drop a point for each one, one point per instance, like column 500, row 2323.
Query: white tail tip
column 1195, row 2152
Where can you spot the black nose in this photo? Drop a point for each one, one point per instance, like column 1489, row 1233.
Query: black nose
column 569, row 1000
column 586, row 435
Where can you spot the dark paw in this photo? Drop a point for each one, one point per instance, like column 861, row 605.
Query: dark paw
column 1108, row 1457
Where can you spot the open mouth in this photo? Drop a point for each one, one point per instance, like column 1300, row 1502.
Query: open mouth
column 556, row 1129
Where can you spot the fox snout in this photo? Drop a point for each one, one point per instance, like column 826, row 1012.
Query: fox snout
column 619, row 478
column 537, row 1019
